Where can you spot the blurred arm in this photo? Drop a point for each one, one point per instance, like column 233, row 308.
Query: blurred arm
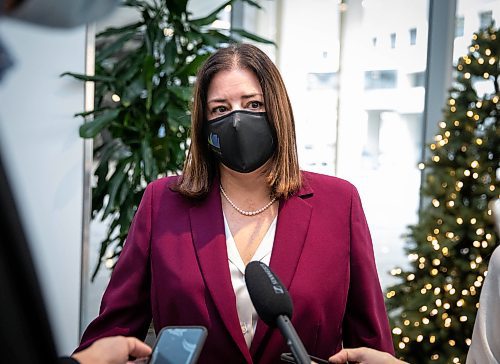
column 59, row 13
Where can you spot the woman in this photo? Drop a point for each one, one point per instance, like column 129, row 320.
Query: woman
column 242, row 197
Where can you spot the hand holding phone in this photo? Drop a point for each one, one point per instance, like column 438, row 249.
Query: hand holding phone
column 178, row 345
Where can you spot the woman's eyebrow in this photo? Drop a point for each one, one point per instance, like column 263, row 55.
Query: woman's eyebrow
column 221, row 99
column 251, row 95
column 216, row 100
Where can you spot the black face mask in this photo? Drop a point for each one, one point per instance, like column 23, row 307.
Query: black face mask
column 242, row 140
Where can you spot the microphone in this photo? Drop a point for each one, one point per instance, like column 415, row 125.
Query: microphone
column 274, row 305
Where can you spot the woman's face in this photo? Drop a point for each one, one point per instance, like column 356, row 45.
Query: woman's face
column 235, row 89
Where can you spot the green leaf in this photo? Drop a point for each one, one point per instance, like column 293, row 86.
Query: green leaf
column 182, row 92
column 86, row 113
column 133, row 3
column 214, row 38
column 102, row 252
column 191, row 68
column 136, row 176
column 114, row 184
column 170, row 52
column 114, row 31
column 147, row 159
column 82, row 77
column 149, row 71
column 210, row 18
column 111, row 49
column 92, row 128
column 252, row 3
column 127, row 68
column 159, row 102
column 252, row 36
column 177, row 7
column 124, row 190
column 132, row 91
column 176, row 117
column 101, row 173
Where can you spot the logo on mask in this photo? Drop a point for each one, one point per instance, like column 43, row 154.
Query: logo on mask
column 213, row 140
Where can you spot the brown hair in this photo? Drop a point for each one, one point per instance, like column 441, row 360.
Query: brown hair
column 283, row 174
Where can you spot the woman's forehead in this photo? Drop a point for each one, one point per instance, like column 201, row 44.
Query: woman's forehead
column 233, row 83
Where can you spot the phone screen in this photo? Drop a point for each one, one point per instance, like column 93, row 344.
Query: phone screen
column 178, row 345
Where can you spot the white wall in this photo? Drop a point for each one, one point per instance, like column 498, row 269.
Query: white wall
column 44, row 157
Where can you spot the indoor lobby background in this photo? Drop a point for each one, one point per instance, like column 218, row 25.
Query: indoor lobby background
column 368, row 80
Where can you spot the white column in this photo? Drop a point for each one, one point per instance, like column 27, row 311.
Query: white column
column 43, row 155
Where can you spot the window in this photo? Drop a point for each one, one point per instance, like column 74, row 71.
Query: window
column 459, row 27
column 413, row 36
column 416, row 79
column 322, row 81
column 380, row 79
column 393, row 40
column 485, row 19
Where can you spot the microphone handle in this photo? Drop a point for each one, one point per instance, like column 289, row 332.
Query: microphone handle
column 292, row 340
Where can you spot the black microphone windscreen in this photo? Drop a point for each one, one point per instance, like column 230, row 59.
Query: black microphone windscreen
column 269, row 296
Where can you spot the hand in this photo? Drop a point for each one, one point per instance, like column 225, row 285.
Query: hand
column 364, row 356
column 112, row 350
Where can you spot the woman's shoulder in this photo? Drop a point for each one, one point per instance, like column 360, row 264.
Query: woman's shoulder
column 319, row 182
column 329, row 192
column 167, row 188
column 164, row 182
column 169, row 181
column 164, row 186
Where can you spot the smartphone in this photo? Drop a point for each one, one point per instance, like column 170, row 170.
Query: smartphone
column 178, row 345
column 289, row 358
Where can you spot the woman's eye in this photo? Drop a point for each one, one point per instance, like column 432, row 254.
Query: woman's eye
column 255, row 105
column 219, row 109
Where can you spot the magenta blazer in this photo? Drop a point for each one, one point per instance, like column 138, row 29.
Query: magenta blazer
column 174, row 270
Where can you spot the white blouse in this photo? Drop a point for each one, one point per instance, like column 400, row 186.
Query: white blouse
column 485, row 347
column 246, row 312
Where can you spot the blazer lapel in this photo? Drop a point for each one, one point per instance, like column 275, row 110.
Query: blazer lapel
column 293, row 223
column 207, row 227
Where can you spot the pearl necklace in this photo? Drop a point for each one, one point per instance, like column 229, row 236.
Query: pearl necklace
column 243, row 212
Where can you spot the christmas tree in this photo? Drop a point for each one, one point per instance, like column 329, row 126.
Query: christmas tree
column 433, row 307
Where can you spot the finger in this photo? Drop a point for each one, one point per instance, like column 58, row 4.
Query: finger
column 340, row 357
column 355, row 355
column 137, row 348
